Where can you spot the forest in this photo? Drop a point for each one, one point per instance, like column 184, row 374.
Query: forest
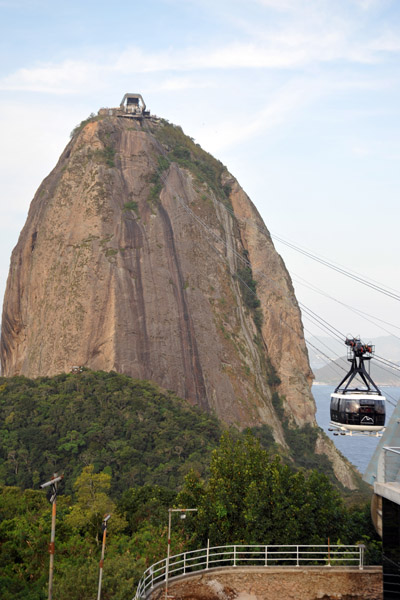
column 128, row 448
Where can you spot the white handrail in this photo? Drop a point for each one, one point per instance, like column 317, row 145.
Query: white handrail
column 394, row 449
column 241, row 555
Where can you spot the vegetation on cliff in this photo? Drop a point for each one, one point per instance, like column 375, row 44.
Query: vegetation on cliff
column 184, row 151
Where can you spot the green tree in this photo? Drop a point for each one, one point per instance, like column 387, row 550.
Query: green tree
column 253, row 498
column 92, row 503
column 25, row 518
column 146, row 504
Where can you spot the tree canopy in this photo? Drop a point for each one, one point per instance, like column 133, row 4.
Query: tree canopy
column 139, row 433
column 252, row 497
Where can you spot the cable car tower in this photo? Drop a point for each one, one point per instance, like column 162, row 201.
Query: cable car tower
column 358, row 410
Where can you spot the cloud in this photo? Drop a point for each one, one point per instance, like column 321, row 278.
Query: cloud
column 179, row 84
column 314, row 6
column 277, row 34
column 63, row 78
column 361, row 150
column 368, row 4
column 282, row 51
column 280, row 108
column 230, row 56
column 310, row 34
column 388, row 42
column 293, row 6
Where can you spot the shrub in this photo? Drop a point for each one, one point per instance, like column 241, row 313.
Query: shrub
column 131, row 205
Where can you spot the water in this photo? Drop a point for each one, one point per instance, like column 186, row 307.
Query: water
column 357, row 449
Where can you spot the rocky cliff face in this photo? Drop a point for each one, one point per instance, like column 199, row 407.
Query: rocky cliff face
column 142, row 254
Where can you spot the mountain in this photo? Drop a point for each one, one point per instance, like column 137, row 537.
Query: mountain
column 141, row 254
column 334, row 372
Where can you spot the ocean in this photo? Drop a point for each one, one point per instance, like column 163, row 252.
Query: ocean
column 357, row 449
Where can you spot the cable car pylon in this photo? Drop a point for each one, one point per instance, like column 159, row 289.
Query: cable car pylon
column 357, row 410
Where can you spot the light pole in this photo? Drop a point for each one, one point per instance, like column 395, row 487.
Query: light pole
column 103, row 547
column 53, row 483
column 183, row 512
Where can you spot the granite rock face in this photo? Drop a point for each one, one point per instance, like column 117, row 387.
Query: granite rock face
column 142, row 254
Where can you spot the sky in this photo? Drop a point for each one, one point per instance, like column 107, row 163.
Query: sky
column 300, row 99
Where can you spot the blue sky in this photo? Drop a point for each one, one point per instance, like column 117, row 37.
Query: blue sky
column 299, row 98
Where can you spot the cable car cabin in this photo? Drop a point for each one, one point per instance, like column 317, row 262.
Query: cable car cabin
column 358, row 409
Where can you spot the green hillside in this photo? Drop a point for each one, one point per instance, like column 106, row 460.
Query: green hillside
column 131, row 429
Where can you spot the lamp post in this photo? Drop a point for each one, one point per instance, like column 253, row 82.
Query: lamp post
column 103, row 547
column 183, row 512
column 53, row 484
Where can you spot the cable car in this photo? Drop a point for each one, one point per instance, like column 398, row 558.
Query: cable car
column 358, row 410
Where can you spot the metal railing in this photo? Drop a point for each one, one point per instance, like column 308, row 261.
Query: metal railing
column 237, row 555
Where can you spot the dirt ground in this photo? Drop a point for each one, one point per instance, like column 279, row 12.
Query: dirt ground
column 213, row 590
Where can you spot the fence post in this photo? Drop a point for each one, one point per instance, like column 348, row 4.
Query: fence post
column 266, row 556
column 329, row 552
column 152, row 576
column 297, row 556
column 234, row 556
column 208, row 553
column 361, row 550
column 184, row 563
